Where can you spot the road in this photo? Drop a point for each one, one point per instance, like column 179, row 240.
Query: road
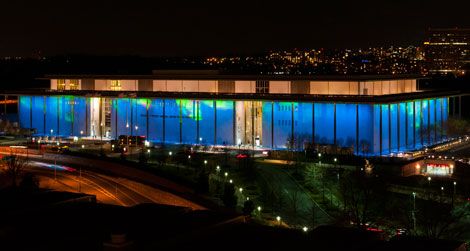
column 282, row 182
column 108, row 189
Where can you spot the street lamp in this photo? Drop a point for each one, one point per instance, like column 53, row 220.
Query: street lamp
column 305, row 229
column 455, row 193
column 278, row 218
column 230, row 181
column 414, row 211
column 259, row 209
column 241, row 190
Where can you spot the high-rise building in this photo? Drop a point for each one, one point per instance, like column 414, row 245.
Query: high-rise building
column 447, row 51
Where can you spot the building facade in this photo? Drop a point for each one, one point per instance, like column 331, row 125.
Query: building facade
column 372, row 117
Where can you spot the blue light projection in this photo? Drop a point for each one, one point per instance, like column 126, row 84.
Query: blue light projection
column 346, row 125
column 402, row 124
column 324, row 123
column 303, row 123
column 368, row 129
column 225, row 122
column 206, row 122
column 267, row 126
column 172, row 121
column 189, row 121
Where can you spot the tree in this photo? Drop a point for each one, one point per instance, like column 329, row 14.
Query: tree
column 229, row 198
column 457, row 127
column 142, row 158
column 203, row 182
column 14, row 167
column 439, row 220
column 359, row 192
column 29, row 183
column 294, row 197
column 248, row 207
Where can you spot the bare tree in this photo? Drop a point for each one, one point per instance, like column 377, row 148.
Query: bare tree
column 294, row 197
column 14, row 166
column 437, row 220
column 359, row 192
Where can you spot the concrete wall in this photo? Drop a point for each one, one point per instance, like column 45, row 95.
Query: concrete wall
column 102, row 85
column 159, row 85
column 319, row 87
column 127, row 85
column 282, row 87
column 207, row 86
column 53, row 84
column 244, row 86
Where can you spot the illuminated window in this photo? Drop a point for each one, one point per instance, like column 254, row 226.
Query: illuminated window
column 115, row 85
column 262, row 86
column 60, row 84
column 73, row 84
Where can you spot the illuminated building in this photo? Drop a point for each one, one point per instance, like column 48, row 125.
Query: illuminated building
column 372, row 115
column 447, row 50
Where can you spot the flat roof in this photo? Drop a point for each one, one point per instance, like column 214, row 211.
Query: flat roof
column 391, row 98
column 191, row 75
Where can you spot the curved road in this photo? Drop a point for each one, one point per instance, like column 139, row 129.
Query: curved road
column 108, row 189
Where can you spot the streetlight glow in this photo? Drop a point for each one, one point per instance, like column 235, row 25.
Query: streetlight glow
column 305, row 229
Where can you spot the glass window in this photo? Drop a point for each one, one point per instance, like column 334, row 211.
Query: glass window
column 262, row 86
column 60, row 84
column 115, row 85
column 73, row 84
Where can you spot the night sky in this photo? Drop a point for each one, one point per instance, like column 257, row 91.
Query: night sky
column 202, row 28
